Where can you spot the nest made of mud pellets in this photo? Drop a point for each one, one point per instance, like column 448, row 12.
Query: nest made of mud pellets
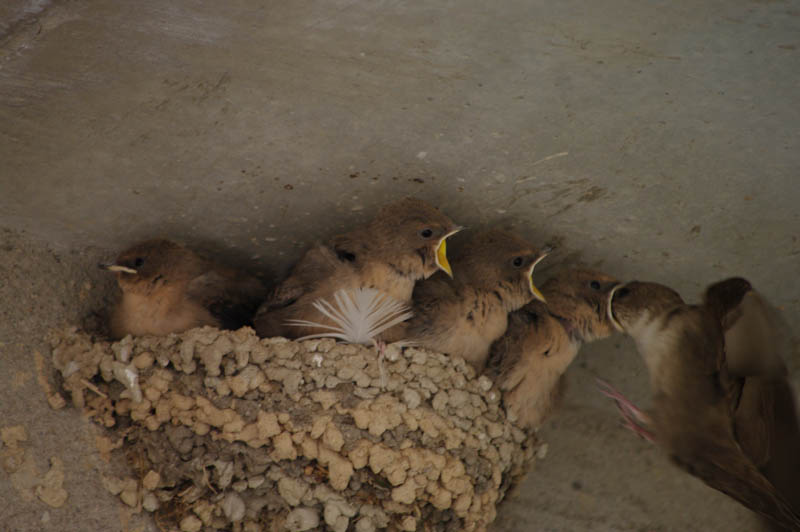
column 227, row 431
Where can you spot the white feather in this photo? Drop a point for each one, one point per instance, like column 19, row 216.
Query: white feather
column 359, row 315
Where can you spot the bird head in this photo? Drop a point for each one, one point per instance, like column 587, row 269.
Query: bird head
column 407, row 234
column 151, row 263
column 633, row 306
column 579, row 297
column 501, row 261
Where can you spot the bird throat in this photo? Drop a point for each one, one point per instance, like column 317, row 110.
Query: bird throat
column 571, row 329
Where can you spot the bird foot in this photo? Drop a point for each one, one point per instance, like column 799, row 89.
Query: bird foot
column 637, row 429
column 380, row 348
column 634, row 419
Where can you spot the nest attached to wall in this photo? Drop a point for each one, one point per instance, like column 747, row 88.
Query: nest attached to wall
column 227, row 431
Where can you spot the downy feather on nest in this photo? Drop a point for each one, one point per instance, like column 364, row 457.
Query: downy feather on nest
column 359, row 316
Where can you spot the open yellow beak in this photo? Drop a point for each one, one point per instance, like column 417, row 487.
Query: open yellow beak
column 441, row 253
column 535, row 291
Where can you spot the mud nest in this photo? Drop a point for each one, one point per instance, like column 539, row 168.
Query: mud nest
column 227, row 431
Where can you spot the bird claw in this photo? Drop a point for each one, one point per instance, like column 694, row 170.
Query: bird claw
column 380, row 348
column 623, row 403
column 634, row 418
column 638, row 429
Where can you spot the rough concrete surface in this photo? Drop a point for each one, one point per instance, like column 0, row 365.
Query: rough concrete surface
column 655, row 140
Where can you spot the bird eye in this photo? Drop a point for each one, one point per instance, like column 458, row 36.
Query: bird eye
column 138, row 262
column 595, row 285
column 517, row 262
column 426, row 233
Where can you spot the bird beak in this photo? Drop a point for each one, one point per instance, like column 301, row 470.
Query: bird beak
column 116, row 268
column 610, row 309
column 441, row 253
column 535, row 291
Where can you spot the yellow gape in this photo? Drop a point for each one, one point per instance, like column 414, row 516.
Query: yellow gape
column 441, row 253
column 535, row 291
column 441, row 257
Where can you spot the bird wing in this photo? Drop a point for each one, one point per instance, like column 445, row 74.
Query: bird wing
column 756, row 338
column 722, row 465
column 783, row 468
column 756, row 345
column 726, row 449
column 437, row 288
column 506, row 351
column 768, row 430
column 754, row 418
column 430, row 300
column 231, row 296
column 318, row 273
column 510, row 351
column 316, row 266
column 352, row 246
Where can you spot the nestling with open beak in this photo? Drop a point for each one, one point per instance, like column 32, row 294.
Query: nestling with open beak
column 168, row 288
column 529, row 360
column 404, row 243
column 462, row 316
column 695, row 398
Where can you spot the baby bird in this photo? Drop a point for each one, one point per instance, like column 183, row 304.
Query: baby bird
column 462, row 316
column 528, row 362
column 695, row 397
column 404, row 243
column 167, row 288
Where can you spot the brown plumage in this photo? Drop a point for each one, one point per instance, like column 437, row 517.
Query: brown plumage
column 404, row 243
column 694, row 415
column 757, row 341
column 529, row 360
column 167, row 288
column 462, row 316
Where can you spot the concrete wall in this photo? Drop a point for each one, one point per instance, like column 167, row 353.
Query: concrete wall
column 655, row 140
